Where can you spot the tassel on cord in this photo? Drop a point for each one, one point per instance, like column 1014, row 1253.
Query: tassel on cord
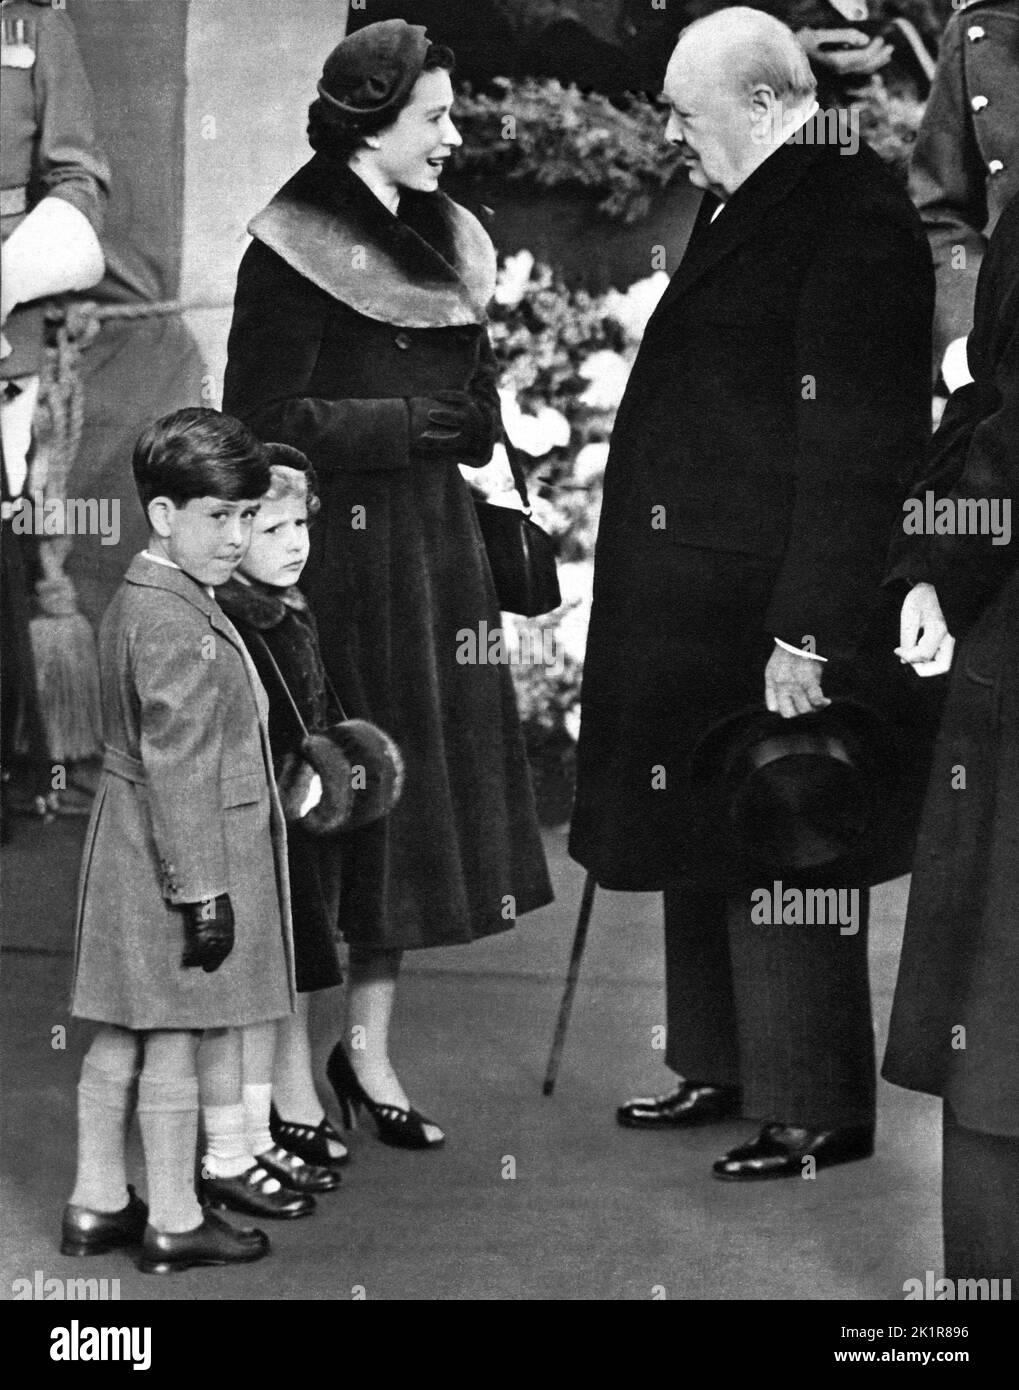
column 63, row 643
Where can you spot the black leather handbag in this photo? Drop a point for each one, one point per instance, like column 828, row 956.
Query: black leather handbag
column 520, row 554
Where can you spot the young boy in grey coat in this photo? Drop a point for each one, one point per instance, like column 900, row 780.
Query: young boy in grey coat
column 183, row 915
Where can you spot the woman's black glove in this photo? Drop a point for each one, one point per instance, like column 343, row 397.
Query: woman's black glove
column 451, row 424
column 208, row 933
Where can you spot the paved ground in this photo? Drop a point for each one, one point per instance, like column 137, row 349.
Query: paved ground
column 593, row 1211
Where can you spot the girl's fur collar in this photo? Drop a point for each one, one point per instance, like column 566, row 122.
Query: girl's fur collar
column 431, row 267
column 257, row 605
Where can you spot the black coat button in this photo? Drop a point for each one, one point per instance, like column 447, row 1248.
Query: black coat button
column 402, row 341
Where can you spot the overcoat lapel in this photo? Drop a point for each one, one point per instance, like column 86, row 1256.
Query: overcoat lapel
column 710, row 242
column 156, row 576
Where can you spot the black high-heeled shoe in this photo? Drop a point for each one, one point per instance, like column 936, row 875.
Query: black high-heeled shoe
column 310, row 1142
column 402, row 1129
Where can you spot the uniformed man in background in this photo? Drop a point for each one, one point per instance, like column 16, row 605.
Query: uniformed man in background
column 53, row 185
column 965, row 166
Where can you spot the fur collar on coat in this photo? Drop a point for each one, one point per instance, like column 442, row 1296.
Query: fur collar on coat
column 433, row 266
column 258, row 605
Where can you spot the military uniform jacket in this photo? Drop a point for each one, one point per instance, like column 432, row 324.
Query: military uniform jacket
column 965, row 166
column 186, row 809
column 49, row 148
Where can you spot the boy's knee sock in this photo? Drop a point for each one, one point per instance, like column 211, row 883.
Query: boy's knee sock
column 104, row 1107
column 257, row 1102
column 227, row 1150
column 168, row 1118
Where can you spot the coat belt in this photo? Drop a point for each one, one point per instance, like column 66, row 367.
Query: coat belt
column 123, row 765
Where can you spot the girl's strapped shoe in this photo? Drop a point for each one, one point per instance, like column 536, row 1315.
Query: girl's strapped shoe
column 313, row 1143
column 403, row 1129
column 296, row 1175
column 248, row 1193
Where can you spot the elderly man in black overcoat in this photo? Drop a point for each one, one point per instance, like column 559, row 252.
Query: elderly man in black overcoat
column 774, row 419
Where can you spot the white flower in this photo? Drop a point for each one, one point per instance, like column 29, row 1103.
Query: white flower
column 589, row 465
column 607, row 372
column 633, row 309
column 571, row 721
column 513, row 279
column 535, row 434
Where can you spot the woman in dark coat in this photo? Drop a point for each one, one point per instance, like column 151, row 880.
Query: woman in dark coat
column 359, row 338
column 955, row 1020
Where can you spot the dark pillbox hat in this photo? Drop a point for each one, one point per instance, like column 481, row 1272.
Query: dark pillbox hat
column 372, row 72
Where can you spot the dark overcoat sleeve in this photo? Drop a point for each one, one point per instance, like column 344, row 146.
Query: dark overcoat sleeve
column 276, row 338
column 862, row 358
column 976, row 448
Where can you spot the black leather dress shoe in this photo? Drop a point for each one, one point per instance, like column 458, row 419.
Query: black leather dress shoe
column 88, row 1232
column 247, row 1193
column 214, row 1242
column 691, row 1103
column 779, row 1151
column 295, row 1174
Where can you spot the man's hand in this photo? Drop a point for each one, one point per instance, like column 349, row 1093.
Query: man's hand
column 863, row 57
column 792, row 684
column 925, row 642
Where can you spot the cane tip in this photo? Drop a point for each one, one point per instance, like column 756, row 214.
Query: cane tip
column 548, row 1088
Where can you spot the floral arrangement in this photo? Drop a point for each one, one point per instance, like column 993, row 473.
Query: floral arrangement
column 541, row 133
column 565, row 356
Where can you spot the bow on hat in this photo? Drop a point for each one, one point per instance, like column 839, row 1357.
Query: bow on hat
column 373, row 71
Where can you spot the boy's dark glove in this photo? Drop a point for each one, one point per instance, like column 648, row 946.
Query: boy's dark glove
column 208, row 933
column 451, row 423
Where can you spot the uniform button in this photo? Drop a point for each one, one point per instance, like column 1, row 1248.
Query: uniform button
column 994, row 167
column 978, row 103
column 975, row 33
column 402, row 340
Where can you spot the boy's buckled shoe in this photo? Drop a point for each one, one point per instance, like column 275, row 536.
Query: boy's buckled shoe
column 88, row 1232
column 214, row 1242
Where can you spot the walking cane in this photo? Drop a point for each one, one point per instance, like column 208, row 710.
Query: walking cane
column 576, row 955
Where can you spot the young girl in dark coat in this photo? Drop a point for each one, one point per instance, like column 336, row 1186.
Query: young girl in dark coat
column 274, row 620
